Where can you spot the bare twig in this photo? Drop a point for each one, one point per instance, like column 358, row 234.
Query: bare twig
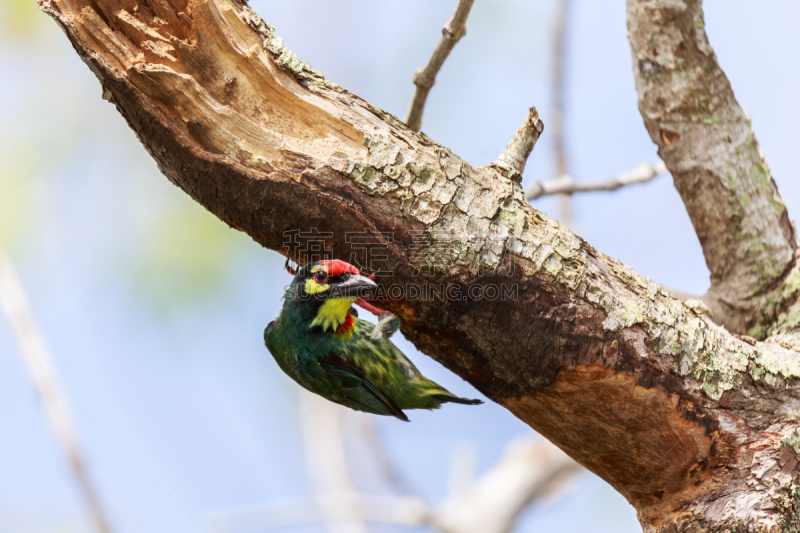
column 277, row 514
column 558, row 94
column 463, row 469
column 376, row 447
column 425, row 77
column 327, row 464
column 41, row 369
column 516, row 154
column 528, row 471
column 565, row 185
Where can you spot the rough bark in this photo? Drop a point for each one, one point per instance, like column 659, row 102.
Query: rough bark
column 708, row 144
column 693, row 425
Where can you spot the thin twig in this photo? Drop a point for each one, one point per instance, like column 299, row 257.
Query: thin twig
column 279, row 514
column 377, row 448
column 327, row 461
column 528, row 471
column 41, row 369
column 559, row 97
column 516, row 154
column 425, row 77
column 565, row 185
column 463, row 469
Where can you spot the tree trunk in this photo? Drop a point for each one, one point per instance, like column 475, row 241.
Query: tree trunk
column 695, row 426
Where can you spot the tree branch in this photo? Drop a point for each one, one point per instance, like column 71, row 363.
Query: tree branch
column 559, row 97
column 42, row 369
column 515, row 155
column 708, row 144
column 425, row 77
column 327, row 462
column 528, row 471
column 300, row 512
column 383, row 462
column 565, row 185
column 670, row 409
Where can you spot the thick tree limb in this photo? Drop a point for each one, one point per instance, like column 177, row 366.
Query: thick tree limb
column 565, row 185
column 671, row 410
column 708, row 144
column 425, row 77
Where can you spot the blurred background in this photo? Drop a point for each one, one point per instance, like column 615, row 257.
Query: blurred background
column 153, row 310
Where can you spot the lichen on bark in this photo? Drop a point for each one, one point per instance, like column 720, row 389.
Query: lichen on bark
column 708, row 144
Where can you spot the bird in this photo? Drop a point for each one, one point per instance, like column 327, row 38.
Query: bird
column 319, row 341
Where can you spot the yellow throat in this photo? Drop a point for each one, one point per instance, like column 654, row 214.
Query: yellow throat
column 333, row 313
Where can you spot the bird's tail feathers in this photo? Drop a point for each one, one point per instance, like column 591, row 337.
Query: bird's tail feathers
column 455, row 399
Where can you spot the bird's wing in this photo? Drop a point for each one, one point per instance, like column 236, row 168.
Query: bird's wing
column 358, row 387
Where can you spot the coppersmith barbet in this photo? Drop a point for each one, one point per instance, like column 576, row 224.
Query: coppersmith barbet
column 321, row 345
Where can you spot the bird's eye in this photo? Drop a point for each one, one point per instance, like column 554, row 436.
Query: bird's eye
column 321, row 277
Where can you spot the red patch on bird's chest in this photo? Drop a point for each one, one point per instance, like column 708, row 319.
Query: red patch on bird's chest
column 346, row 327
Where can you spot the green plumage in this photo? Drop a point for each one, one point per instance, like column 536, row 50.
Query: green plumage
column 359, row 368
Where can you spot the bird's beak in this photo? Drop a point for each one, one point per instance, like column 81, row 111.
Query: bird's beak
column 355, row 287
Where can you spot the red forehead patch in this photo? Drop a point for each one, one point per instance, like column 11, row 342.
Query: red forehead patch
column 337, row 267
